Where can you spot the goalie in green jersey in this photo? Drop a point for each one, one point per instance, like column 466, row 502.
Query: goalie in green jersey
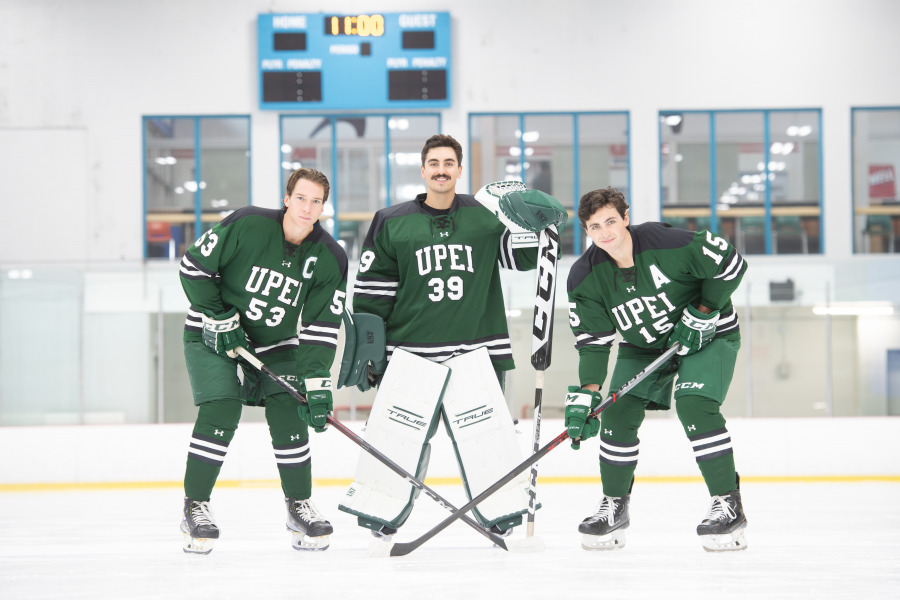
column 655, row 285
column 429, row 268
column 248, row 279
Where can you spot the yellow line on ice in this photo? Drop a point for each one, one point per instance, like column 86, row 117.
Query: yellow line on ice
column 431, row 481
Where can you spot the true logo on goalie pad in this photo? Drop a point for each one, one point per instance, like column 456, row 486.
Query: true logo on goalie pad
column 472, row 417
column 405, row 417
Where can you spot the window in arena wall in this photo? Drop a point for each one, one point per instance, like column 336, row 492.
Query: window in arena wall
column 563, row 154
column 196, row 171
column 371, row 161
column 876, row 162
column 752, row 176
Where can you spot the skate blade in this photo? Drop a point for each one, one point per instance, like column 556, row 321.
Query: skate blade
column 301, row 541
column 197, row 545
column 727, row 542
column 610, row 541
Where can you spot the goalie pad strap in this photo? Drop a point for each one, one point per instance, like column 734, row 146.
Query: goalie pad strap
column 403, row 419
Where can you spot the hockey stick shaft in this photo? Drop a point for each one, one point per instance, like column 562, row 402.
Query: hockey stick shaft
column 377, row 454
column 404, row 548
column 542, row 345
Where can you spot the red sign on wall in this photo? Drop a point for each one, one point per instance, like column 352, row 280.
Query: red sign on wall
column 882, row 181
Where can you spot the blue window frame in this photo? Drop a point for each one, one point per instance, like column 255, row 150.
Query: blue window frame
column 565, row 154
column 371, row 161
column 752, row 176
column 196, row 171
column 876, row 162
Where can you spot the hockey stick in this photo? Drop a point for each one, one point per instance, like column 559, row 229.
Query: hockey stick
column 253, row 360
column 541, row 345
column 404, row 548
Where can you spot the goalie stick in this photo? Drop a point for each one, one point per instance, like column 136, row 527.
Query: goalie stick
column 541, row 345
column 253, row 360
column 404, row 548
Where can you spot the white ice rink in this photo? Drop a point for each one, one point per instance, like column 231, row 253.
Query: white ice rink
column 806, row 540
column 809, row 537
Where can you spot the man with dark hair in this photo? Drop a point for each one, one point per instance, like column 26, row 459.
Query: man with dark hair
column 655, row 285
column 430, row 269
column 248, row 279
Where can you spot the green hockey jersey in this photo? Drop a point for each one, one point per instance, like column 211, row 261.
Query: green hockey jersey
column 434, row 277
column 672, row 268
column 288, row 296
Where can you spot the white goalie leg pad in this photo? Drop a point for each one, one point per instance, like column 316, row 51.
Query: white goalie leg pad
column 484, row 437
column 403, row 419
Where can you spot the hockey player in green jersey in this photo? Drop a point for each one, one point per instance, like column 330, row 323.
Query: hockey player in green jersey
column 655, row 285
column 274, row 281
column 430, row 269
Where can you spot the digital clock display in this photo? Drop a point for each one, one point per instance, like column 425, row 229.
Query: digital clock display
column 396, row 60
column 361, row 25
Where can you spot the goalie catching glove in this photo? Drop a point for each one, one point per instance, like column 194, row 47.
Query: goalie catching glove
column 319, row 403
column 694, row 331
column 520, row 208
column 579, row 404
column 223, row 333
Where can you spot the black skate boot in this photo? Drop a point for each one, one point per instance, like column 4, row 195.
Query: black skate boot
column 723, row 528
column 199, row 527
column 605, row 529
column 310, row 529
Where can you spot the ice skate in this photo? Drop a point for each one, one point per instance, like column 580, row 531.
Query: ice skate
column 310, row 529
column 199, row 527
column 605, row 529
column 723, row 528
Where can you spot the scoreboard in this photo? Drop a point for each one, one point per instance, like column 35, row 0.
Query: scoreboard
column 354, row 61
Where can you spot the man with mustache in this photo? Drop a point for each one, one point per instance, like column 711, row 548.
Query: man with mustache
column 430, row 269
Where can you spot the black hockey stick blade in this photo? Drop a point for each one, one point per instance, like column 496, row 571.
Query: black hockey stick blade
column 253, row 360
column 542, row 324
column 404, row 548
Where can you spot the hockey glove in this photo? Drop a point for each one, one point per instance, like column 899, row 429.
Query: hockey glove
column 694, row 331
column 533, row 210
column 579, row 404
column 223, row 333
column 319, row 403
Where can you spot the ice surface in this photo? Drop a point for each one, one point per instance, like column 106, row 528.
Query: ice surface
column 806, row 540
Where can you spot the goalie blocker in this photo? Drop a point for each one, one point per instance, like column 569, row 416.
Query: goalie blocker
column 413, row 395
